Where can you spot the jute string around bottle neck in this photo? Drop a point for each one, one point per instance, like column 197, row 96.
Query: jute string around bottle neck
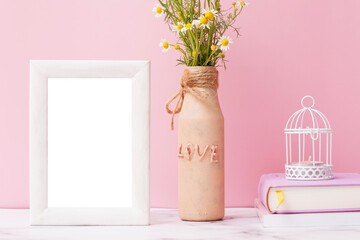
column 196, row 81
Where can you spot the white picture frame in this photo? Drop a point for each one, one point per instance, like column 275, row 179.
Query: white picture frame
column 40, row 73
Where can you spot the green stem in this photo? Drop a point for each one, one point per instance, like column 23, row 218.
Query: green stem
column 230, row 23
column 209, row 58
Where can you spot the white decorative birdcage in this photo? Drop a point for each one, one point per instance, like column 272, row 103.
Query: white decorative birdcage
column 308, row 145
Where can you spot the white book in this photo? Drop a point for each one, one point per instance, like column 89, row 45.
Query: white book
column 275, row 220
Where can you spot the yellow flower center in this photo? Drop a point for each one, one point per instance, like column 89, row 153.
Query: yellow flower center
column 188, row 26
column 194, row 53
column 166, row 45
column 177, row 47
column 235, row 9
column 225, row 42
column 213, row 47
column 180, row 26
column 242, row 3
column 209, row 15
column 159, row 10
column 204, row 20
column 234, row 3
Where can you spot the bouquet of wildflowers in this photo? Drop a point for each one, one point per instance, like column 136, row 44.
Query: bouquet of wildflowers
column 200, row 27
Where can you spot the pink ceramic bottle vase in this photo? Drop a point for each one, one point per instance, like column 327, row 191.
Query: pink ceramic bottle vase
column 200, row 146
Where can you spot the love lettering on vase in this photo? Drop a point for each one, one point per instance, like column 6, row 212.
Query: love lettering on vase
column 190, row 150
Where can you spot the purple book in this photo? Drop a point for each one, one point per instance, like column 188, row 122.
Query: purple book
column 338, row 193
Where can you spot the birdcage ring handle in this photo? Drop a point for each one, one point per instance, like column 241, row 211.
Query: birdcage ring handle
column 308, row 96
column 313, row 132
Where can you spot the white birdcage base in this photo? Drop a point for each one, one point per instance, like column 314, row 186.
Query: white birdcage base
column 301, row 172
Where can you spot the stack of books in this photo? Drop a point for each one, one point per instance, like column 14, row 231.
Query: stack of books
column 294, row 203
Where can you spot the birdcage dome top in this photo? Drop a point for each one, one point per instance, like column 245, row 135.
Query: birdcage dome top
column 308, row 120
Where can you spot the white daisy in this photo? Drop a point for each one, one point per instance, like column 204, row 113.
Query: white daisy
column 158, row 10
column 164, row 45
column 241, row 4
column 179, row 27
column 189, row 26
column 210, row 13
column 196, row 23
column 224, row 43
column 205, row 22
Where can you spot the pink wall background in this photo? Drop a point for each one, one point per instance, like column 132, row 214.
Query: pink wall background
column 287, row 49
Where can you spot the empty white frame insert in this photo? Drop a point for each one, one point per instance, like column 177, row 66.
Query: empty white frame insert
column 89, row 143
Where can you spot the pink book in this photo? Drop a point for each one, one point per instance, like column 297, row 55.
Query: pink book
column 336, row 195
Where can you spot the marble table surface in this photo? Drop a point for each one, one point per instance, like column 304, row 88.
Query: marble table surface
column 239, row 223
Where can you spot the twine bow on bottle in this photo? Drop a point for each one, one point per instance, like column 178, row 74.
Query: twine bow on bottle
column 196, row 81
